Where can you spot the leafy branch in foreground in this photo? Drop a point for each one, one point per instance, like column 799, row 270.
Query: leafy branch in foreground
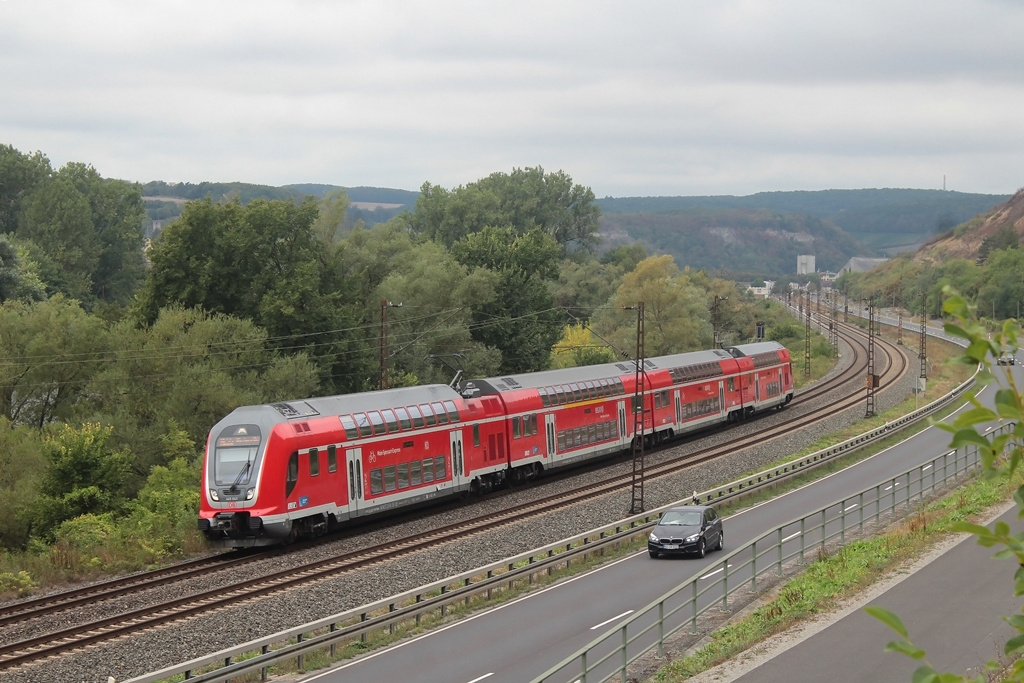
column 1001, row 457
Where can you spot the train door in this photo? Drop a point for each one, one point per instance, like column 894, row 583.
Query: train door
column 549, row 431
column 757, row 389
column 679, row 409
column 721, row 397
column 459, row 477
column 354, row 460
column 622, row 420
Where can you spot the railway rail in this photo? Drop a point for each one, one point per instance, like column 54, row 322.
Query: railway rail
column 69, row 637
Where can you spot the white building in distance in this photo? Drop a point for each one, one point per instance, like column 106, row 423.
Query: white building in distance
column 805, row 264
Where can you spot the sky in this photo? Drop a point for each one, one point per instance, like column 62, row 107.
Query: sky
column 684, row 97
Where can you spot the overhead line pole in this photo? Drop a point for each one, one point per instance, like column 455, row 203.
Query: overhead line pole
column 636, row 505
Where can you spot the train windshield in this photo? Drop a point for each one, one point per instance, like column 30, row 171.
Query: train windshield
column 235, row 455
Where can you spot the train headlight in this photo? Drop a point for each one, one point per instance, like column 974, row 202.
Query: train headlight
column 249, row 494
column 213, row 495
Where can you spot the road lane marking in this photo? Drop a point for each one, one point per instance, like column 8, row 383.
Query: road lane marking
column 710, row 574
column 605, row 623
column 789, row 538
column 850, row 508
column 482, row 677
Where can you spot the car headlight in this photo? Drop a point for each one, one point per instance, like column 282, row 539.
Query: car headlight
column 249, row 494
column 691, row 539
column 652, row 538
column 213, row 495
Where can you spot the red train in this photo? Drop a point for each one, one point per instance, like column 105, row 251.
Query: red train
column 282, row 471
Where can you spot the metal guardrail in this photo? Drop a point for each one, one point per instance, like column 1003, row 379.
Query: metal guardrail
column 609, row 655
column 434, row 599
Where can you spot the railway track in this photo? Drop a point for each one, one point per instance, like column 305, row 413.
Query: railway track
column 50, row 643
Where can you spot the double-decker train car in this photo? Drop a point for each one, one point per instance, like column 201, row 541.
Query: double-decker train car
column 281, row 471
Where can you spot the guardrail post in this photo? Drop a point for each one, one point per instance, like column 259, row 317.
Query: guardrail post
column 802, row 526
column 301, row 659
column 661, row 629
column 753, row 568
column 778, row 544
column 265, row 671
column 860, row 511
column 625, row 655
column 362, row 618
column 842, row 523
column 334, row 627
column 693, row 601
column 725, row 586
column 823, row 534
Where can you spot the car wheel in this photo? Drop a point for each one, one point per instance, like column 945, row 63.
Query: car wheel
column 721, row 540
column 701, row 549
column 654, row 555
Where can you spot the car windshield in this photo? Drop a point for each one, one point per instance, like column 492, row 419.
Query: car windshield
column 680, row 518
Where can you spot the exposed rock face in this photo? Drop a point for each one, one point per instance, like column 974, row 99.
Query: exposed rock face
column 966, row 240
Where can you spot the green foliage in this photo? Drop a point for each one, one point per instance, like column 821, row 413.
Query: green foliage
column 19, row 175
column 524, row 200
column 83, row 476
column 20, row 583
column 578, row 347
column 22, row 464
column 1001, row 457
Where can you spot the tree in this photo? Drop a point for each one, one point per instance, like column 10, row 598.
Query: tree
column 1001, row 457
column 521, row 321
column 578, row 347
column 19, row 174
column 524, row 200
column 676, row 312
column 83, row 476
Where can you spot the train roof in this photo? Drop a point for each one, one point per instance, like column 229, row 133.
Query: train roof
column 741, row 350
column 545, row 378
column 360, row 402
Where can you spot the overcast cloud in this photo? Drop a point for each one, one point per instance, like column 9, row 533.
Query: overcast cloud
column 630, row 98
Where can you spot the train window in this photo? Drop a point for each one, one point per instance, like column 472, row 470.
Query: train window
column 453, row 412
column 428, row 470
column 577, row 393
column 351, row 432
column 561, row 441
column 442, row 414
column 515, row 427
column 439, row 468
column 559, row 395
column 390, row 419
column 417, row 418
column 351, row 481
column 577, row 436
column 377, row 421
column 428, row 414
column 619, row 389
column 403, row 475
column 292, row 477
column 403, row 418
column 591, row 389
column 376, row 481
column 592, row 433
column 476, row 435
column 664, row 398
column 314, row 462
column 657, row 401
column 414, row 473
column 363, row 423
column 389, row 478
column 603, row 387
column 332, row 458
column 543, row 397
column 533, row 424
column 637, row 403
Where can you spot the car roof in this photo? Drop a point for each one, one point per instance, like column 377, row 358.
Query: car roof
column 688, row 508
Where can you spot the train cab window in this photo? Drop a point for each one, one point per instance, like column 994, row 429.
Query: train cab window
column 439, row 468
column 292, row 478
column 389, row 478
column 544, row 400
column 376, row 481
column 377, row 421
column 363, row 423
column 428, row 414
column 428, row 470
column 414, row 473
column 442, row 414
column 417, row 417
column 390, row 419
column 332, row 458
column 476, row 436
column 515, row 427
column 403, row 418
column 314, row 462
column 351, row 432
column 403, row 475
column 453, row 412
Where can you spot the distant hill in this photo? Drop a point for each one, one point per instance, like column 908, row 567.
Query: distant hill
column 372, row 205
column 884, row 220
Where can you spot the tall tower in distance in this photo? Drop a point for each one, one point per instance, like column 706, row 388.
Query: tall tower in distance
column 805, row 264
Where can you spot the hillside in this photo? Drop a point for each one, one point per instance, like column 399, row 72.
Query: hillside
column 967, row 240
column 738, row 243
column 883, row 220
